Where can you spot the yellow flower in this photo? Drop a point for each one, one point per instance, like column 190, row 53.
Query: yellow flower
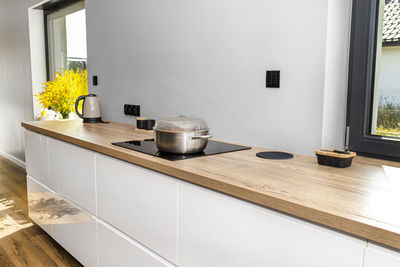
column 61, row 93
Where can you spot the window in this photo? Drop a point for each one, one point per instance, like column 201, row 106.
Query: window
column 66, row 38
column 373, row 112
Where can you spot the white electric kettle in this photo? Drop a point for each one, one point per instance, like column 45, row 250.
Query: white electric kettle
column 91, row 108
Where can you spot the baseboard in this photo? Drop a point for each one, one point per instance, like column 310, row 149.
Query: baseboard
column 13, row 159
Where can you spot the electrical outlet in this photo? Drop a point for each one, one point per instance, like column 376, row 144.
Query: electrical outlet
column 132, row 110
column 273, row 78
column 95, row 80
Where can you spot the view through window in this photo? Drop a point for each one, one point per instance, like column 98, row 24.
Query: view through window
column 386, row 96
column 67, row 39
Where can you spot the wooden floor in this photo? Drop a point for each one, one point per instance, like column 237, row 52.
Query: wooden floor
column 23, row 243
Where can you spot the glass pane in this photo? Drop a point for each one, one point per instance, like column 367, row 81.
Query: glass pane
column 386, row 102
column 76, row 40
column 67, row 40
column 59, row 43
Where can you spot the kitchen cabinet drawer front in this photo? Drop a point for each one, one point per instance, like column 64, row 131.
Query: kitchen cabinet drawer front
column 116, row 249
column 76, row 231
column 377, row 256
column 36, row 156
column 72, row 173
column 71, row 227
column 40, row 204
column 139, row 202
column 218, row 230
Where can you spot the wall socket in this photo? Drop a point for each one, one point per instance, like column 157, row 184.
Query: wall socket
column 95, row 81
column 132, row 110
column 273, row 79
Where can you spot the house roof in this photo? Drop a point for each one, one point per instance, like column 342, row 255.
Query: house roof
column 391, row 23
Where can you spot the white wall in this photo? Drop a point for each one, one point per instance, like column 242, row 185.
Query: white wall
column 208, row 59
column 38, row 55
column 15, row 76
column 204, row 58
column 336, row 70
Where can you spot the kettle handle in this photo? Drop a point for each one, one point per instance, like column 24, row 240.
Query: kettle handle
column 77, row 103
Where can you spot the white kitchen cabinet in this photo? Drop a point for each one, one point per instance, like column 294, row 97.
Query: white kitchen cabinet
column 40, row 203
column 117, row 249
column 36, row 156
column 72, row 173
column 70, row 226
column 76, row 231
column 377, row 256
column 145, row 218
column 139, row 202
column 218, row 230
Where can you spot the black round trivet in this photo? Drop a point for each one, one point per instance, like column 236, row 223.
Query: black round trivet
column 274, row 155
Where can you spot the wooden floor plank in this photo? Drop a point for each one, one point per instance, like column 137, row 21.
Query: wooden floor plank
column 23, row 243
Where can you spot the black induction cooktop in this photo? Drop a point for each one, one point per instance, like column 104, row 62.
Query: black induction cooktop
column 148, row 146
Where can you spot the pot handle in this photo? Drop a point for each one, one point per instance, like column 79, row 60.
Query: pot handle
column 201, row 136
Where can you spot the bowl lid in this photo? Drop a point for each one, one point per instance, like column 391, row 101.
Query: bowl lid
column 181, row 124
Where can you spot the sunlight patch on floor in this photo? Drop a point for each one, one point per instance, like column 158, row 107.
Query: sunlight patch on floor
column 8, row 226
column 6, row 204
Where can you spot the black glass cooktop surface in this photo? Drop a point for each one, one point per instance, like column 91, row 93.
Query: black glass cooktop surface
column 148, row 146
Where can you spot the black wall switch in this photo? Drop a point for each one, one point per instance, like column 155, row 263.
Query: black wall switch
column 273, row 78
column 95, row 82
column 132, row 110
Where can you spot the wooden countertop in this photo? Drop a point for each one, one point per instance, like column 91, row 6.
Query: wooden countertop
column 363, row 200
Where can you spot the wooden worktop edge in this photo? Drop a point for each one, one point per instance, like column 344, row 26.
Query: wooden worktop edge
column 337, row 222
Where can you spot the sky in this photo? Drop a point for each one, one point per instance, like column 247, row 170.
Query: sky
column 76, row 34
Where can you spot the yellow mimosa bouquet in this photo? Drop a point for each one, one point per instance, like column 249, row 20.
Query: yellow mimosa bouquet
column 60, row 94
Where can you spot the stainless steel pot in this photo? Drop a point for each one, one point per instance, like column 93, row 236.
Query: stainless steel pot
column 181, row 142
column 181, row 135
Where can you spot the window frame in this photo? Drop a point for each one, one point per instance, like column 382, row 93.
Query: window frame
column 57, row 10
column 363, row 42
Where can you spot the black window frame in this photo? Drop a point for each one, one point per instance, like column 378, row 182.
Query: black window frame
column 49, row 8
column 363, row 42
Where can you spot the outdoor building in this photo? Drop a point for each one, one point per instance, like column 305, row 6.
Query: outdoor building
column 390, row 60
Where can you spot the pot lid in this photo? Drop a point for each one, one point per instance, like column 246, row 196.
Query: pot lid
column 181, row 124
